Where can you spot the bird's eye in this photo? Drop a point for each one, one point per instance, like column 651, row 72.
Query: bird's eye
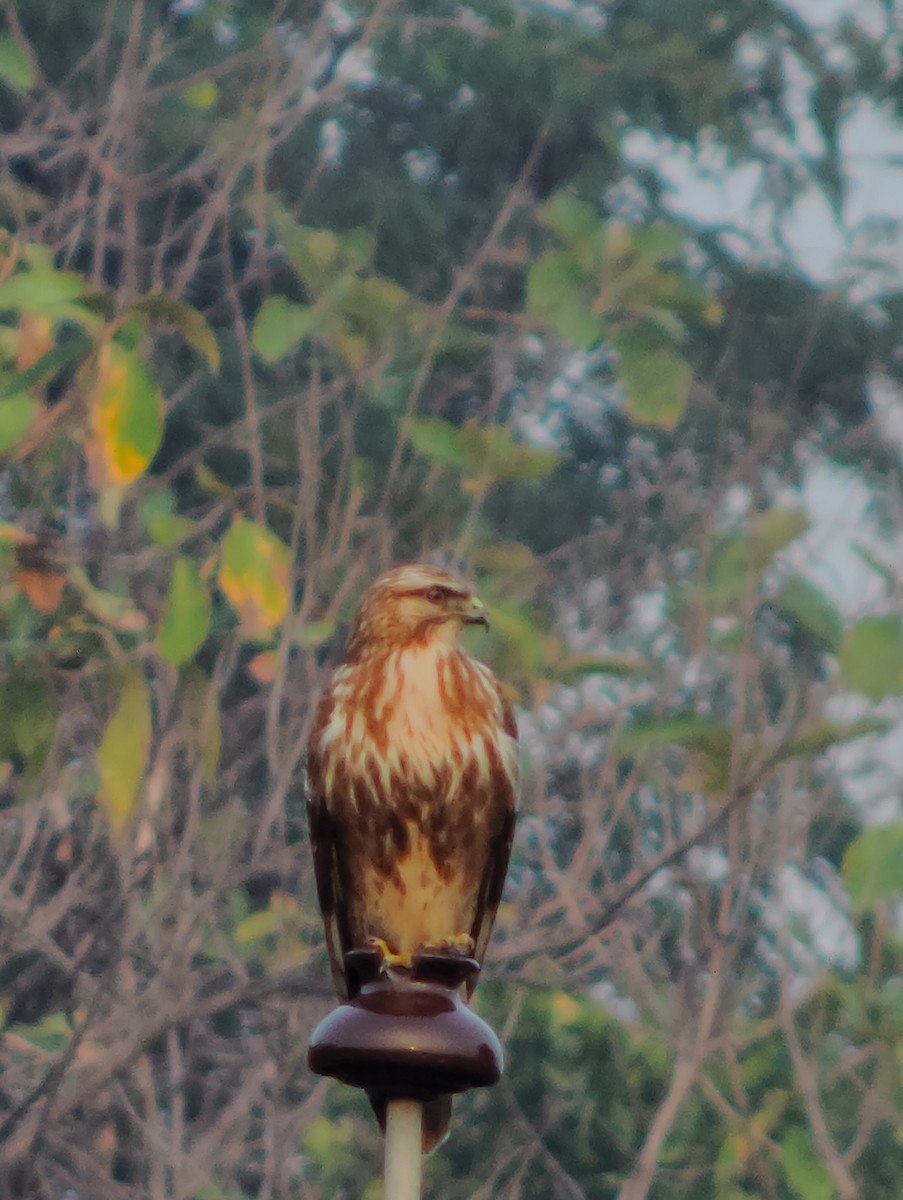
column 436, row 595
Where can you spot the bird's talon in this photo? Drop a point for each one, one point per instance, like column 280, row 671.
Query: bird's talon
column 458, row 944
column 389, row 957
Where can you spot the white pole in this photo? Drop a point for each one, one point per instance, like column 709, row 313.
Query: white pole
column 404, row 1120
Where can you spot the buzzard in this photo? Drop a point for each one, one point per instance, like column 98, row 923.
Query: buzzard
column 412, row 773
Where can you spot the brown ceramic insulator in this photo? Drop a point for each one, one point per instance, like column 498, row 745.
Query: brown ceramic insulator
column 411, row 1037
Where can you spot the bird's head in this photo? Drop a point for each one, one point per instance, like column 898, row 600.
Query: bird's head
column 414, row 604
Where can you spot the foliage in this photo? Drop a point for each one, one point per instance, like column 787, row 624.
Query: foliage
column 285, row 298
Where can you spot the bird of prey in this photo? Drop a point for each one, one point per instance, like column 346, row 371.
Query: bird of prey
column 412, row 774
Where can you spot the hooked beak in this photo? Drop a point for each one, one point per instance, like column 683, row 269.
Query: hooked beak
column 473, row 613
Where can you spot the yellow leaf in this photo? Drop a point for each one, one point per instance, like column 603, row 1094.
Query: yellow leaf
column 126, row 417
column 565, row 1009
column 122, row 756
column 201, row 95
column 254, row 577
column 10, row 533
column 282, row 903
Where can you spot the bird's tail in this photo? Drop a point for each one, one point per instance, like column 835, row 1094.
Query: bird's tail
column 436, row 1119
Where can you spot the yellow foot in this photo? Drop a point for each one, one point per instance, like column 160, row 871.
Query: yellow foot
column 389, row 957
column 458, row 943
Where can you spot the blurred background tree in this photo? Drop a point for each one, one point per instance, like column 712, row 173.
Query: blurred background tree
column 598, row 303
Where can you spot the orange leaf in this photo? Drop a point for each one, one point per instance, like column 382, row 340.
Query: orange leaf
column 35, row 339
column 262, row 667
column 43, row 589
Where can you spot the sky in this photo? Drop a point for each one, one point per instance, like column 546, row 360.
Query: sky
column 829, row 247
column 825, row 245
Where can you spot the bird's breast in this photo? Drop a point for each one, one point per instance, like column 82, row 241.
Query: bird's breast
column 422, row 721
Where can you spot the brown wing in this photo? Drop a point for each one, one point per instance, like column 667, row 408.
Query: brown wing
column 504, row 799
column 327, row 840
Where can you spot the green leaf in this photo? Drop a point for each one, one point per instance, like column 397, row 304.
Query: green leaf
column 351, row 347
column 655, row 377
column 619, row 246
column 891, row 998
column 377, row 318
column 52, row 1033
column 164, row 525
column 122, row 756
column 259, row 925
column 873, row 866
column 729, row 572
column 810, row 607
column 254, row 577
column 529, row 464
column 807, row 1175
column 110, row 609
column 821, row 736
column 738, row 560
column 318, row 256
column 16, row 416
column 581, row 229
column 211, row 735
column 37, row 256
column 491, row 453
column 572, row 220
column 41, row 291
column 169, row 529
column 569, row 670
column 186, row 614
column 667, row 322
column 732, row 1155
column 690, row 731
column 375, row 305
column 358, row 245
column 558, row 294
column 771, row 531
column 729, row 640
column 326, row 1142
column 462, row 349
column 201, row 720
column 504, row 556
column 437, row 440
column 314, row 633
column 47, row 366
column 126, row 417
column 659, row 243
column 16, row 70
column 281, row 326
column 27, row 720
column 521, row 633
column 871, row 657
column 187, row 320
